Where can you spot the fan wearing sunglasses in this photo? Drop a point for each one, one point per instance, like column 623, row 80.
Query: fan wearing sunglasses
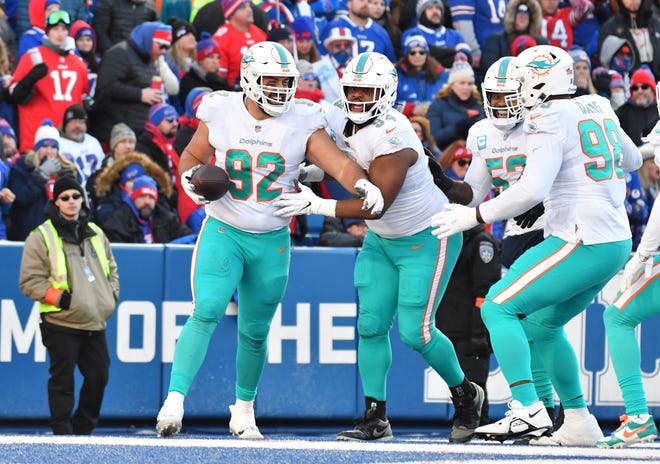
column 76, row 297
column 456, row 159
column 48, row 80
column 420, row 77
column 639, row 115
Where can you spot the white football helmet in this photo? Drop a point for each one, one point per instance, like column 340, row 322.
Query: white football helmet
column 269, row 59
column 369, row 70
column 498, row 79
column 544, row 70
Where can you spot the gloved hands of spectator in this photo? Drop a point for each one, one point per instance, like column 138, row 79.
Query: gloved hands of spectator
column 529, row 217
column 48, row 167
column 372, row 196
column 190, row 188
column 65, row 300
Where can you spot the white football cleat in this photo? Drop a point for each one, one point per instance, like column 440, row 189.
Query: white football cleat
column 578, row 429
column 243, row 425
column 169, row 418
column 520, row 421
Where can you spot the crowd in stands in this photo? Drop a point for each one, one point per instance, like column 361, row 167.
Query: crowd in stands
column 106, row 91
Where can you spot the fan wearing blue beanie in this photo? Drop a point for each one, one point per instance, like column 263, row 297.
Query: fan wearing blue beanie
column 157, row 140
column 141, row 219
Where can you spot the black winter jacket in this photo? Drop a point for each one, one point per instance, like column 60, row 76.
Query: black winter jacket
column 124, row 72
column 123, row 226
column 115, row 19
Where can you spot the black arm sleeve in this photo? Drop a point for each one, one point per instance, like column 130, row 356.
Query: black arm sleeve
column 23, row 90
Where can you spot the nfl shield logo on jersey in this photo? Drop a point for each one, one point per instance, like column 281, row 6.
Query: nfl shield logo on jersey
column 486, row 251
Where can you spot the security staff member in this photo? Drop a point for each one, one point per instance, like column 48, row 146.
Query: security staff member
column 68, row 267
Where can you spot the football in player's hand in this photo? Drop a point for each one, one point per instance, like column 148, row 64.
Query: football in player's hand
column 210, row 181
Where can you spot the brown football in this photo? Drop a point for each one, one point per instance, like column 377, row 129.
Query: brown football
column 210, row 181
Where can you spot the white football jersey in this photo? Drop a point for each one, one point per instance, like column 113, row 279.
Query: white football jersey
column 498, row 160
column 87, row 155
column 586, row 200
column 419, row 198
column 262, row 158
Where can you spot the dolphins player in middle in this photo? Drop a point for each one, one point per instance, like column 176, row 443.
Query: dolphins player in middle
column 399, row 270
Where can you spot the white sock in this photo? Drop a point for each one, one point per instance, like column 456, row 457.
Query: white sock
column 244, row 405
column 175, row 397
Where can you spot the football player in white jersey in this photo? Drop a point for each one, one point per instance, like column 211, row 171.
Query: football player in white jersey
column 638, row 300
column 576, row 156
column 400, row 270
column 498, row 145
column 259, row 136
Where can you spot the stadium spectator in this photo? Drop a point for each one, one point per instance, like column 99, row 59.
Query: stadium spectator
column 282, row 34
column 204, row 71
column 85, row 39
column 582, row 73
column 422, row 128
column 114, row 183
column 7, row 197
column 476, row 21
column 635, row 22
column 235, row 37
column 379, row 11
column 212, row 17
column 370, row 36
column 558, row 23
column 338, row 232
column 48, row 80
column 430, row 14
column 8, row 36
column 638, row 115
column 340, row 45
column 77, row 145
column 182, row 52
column 122, row 142
column 115, row 20
column 76, row 296
column 456, row 159
column 9, row 142
column 125, row 89
column 420, row 77
column 33, row 37
column 305, row 35
column 141, row 219
column 521, row 18
column 32, row 178
column 190, row 213
column 456, row 107
column 157, row 138
column 309, row 86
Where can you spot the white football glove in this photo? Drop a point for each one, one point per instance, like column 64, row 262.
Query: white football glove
column 190, row 188
column 310, row 173
column 303, row 202
column 634, row 268
column 372, row 196
column 456, row 219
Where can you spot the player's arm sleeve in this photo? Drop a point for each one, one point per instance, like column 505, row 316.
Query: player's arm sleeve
column 632, row 157
column 651, row 238
column 543, row 163
column 479, row 179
